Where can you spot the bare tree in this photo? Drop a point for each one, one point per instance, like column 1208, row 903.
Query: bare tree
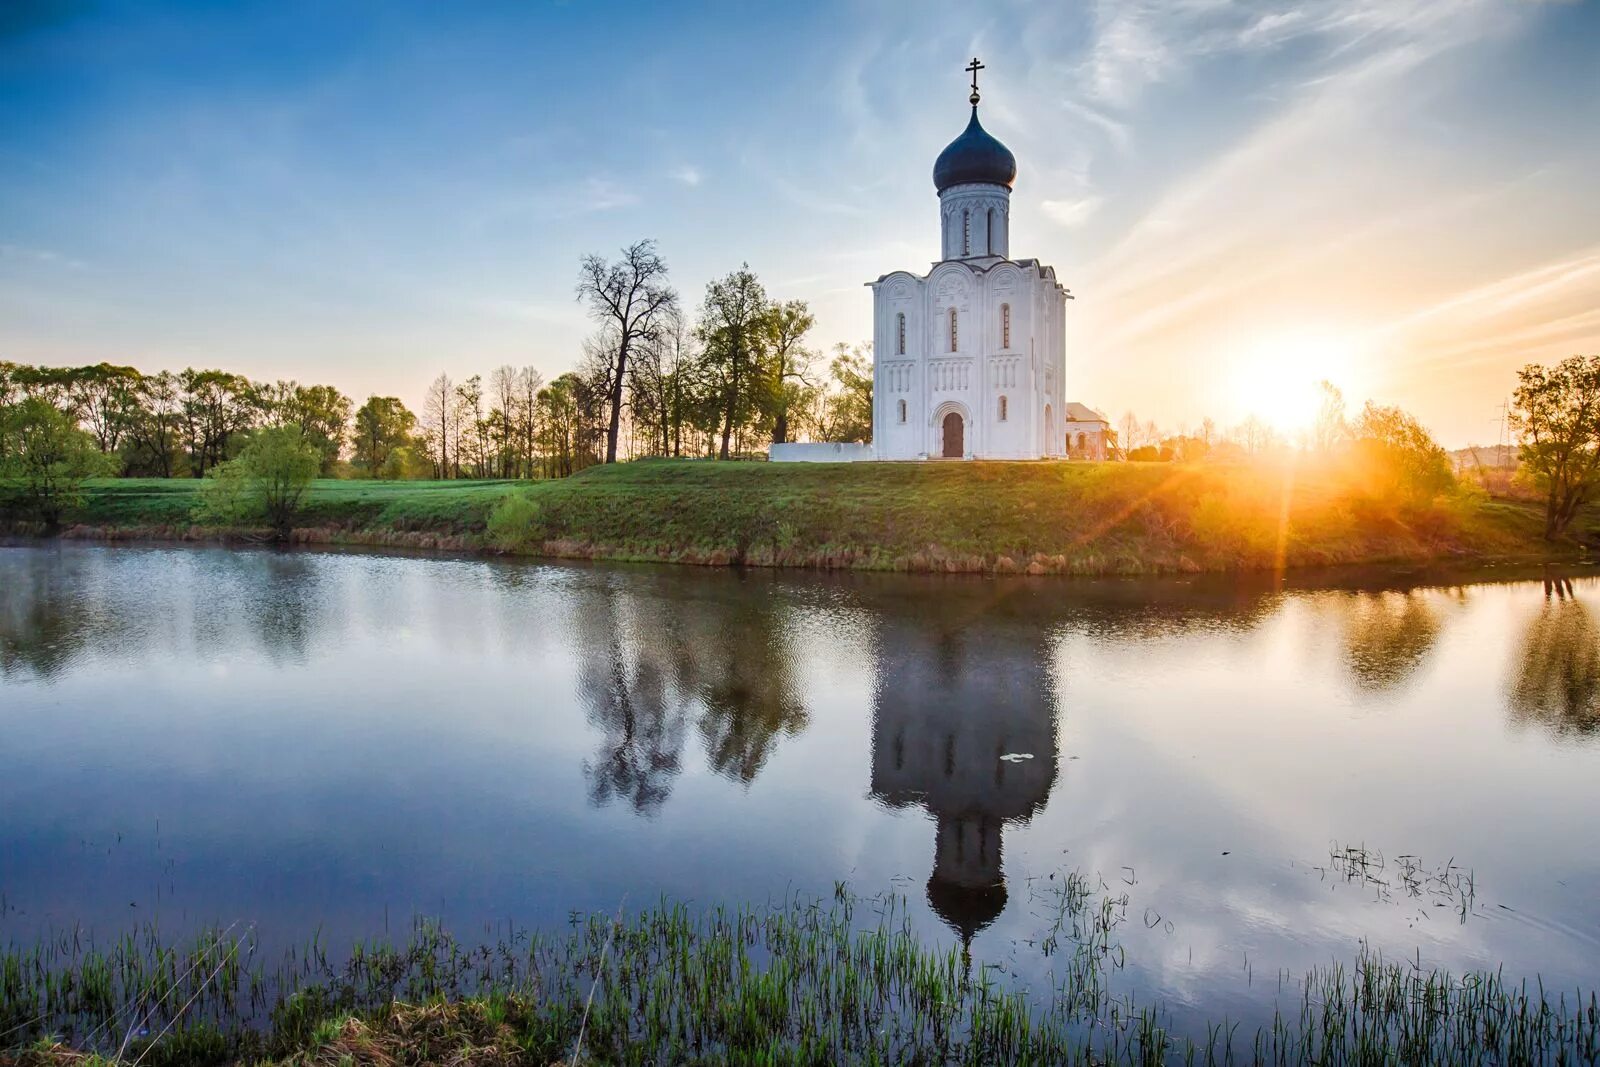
column 438, row 417
column 627, row 298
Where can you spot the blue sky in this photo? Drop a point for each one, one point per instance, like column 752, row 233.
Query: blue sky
column 1243, row 196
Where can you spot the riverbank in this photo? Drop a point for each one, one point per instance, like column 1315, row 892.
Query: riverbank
column 991, row 518
column 798, row 983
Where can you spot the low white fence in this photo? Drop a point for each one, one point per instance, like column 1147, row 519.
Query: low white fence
column 819, row 452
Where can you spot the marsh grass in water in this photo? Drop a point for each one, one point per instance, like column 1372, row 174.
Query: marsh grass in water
column 842, row 981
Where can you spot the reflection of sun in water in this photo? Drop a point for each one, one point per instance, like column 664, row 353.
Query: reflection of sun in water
column 1278, row 380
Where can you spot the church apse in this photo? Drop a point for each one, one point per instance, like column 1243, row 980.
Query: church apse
column 954, row 697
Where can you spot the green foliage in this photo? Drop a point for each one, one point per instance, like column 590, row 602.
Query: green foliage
column 383, row 442
column 514, row 524
column 1557, row 411
column 46, row 462
column 1400, row 450
column 265, row 483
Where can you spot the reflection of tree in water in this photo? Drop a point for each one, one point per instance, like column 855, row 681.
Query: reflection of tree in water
column 43, row 622
column 748, row 689
column 623, row 681
column 648, row 659
column 958, row 690
column 1386, row 636
column 285, row 604
column 1557, row 681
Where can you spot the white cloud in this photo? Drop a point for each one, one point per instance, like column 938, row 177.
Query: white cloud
column 1071, row 212
column 686, row 174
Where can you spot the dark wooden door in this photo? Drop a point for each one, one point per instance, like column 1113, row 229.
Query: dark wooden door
column 954, row 436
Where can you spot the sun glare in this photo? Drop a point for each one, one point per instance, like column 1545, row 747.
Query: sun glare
column 1279, row 379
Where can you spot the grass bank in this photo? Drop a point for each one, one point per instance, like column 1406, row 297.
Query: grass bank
column 807, row 982
column 1056, row 518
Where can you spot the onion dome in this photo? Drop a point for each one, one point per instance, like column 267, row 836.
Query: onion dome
column 975, row 156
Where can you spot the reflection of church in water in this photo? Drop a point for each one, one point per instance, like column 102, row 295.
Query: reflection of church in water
column 952, row 703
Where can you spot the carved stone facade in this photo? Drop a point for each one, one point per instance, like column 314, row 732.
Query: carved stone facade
column 981, row 337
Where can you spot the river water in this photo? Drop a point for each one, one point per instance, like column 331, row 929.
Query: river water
column 314, row 741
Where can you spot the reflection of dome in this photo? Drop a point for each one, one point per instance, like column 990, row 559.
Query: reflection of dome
column 975, row 156
column 968, row 909
column 953, row 698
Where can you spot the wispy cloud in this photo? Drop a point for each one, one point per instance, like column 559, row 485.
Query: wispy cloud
column 686, row 174
column 1071, row 212
column 41, row 257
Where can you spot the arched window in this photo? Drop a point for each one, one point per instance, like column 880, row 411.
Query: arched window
column 902, row 411
column 953, row 337
column 900, row 334
column 991, row 248
column 966, row 233
column 1005, row 325
column 1082, row 441
column 1002, row 409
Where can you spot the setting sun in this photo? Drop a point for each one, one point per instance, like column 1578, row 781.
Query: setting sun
column 1278, row 379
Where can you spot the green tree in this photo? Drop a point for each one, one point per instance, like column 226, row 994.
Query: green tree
column 106, row 401
column 43, row 473
column 323, row 415
column 154, row 441
column 1557, row 412
column 265, row 483
column 1399, row 447
column 215, row 406
column 787, row 325
column 733, row 321
column 850, row 403
column 383, row 425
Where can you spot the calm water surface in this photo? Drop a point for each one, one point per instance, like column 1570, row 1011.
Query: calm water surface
column 305, row 740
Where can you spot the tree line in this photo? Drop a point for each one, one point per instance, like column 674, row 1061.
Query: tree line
column 650, row 381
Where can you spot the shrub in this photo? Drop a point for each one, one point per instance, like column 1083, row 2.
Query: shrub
column 514, row 523
column 265, row 483
column 42, row 474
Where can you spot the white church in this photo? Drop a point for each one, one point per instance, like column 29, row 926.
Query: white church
column 969, row 360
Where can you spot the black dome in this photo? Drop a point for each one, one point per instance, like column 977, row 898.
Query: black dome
column 974, row 157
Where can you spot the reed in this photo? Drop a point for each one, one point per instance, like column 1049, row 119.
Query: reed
column 846, row 980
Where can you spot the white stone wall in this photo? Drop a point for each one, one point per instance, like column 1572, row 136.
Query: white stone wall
column 820, row 452
column 915, row 388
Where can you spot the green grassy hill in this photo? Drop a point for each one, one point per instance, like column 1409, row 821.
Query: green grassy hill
column 1126, row 518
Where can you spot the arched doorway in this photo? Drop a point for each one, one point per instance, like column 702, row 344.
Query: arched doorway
column 954, row 436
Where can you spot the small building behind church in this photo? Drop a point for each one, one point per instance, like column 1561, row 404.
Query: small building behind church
column 1088, row 432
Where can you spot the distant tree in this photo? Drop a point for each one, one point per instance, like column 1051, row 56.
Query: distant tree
column 471, row 429
column 850, row 401
column 1255, row 435
column 106, row 401
column 1130, row 431
column 11, row 392
column 438, row 419
column 628, row 299
column 215, row 406
column 1557, row 412
column 154, row 439
column 323, row 415
column 787, row 325
column 382, row 425
column 1329, row 430
column 48, row 460
column 1399, row 446
column 266, row 482
column 733, row 318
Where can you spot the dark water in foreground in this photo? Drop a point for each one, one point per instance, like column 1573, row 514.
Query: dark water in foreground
column 315, row 741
